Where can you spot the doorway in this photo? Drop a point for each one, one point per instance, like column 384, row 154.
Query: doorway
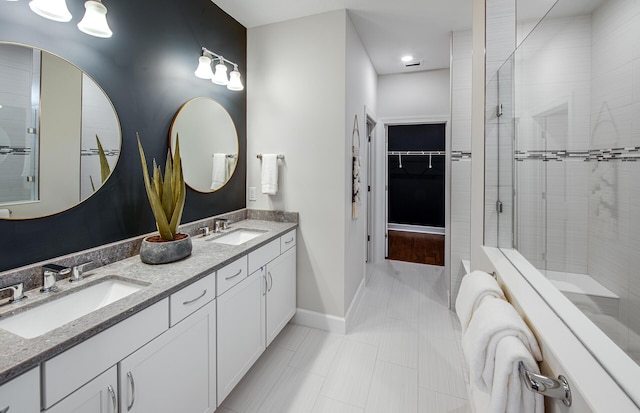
column 416, row 167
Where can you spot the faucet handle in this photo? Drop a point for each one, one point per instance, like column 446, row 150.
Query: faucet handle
column 205, row 230
column 17, row 292
column 78, row 270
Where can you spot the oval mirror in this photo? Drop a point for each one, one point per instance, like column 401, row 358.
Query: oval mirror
column 208, row 144
column 59, row 133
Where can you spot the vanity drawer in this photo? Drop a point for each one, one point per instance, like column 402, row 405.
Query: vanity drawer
column 191, row 298
column 287, row 241
column 231, row 275
column 263, row 255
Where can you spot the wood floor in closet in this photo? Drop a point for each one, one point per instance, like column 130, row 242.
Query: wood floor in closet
column 416, row 247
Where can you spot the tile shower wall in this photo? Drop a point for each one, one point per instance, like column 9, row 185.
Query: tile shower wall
column 460, row 168
column 552, row 92
column 614, row 195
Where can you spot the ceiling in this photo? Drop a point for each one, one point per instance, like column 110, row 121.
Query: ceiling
column 389, row 29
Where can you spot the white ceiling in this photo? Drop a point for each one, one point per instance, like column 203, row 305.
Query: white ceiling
column 389, row 29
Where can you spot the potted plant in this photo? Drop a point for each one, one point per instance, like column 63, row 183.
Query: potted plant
column 166, row 196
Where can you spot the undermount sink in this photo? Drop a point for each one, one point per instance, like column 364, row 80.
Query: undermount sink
column 53, row 314
column 238, row 236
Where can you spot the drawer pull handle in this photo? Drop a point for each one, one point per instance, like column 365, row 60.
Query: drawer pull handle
column 234, row 275
column 114, row 399
column 290, row 241
column 132, row 383
column 195, row 299
column 5, row 410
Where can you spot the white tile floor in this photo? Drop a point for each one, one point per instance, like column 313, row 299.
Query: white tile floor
column 403, row 355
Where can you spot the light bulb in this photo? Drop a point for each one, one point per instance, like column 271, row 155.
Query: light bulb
column 204, row 68
column 220, row 76
column 234, row 80
column 55, row 10
column 94, row 21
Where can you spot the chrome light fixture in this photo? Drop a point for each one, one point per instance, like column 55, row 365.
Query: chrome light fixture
column 204, row 68
column 94, row 21
column 55, row 10
column 220, row 76
column 233, row 81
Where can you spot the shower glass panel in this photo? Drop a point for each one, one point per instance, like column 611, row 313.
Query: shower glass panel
column 566, row 123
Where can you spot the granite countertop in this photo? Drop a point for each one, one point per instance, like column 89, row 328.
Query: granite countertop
column 19, row 354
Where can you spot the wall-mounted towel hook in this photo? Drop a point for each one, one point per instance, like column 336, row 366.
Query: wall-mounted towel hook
column 546, row 386
column 280, row 156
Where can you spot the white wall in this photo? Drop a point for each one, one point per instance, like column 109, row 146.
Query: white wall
column 361, row 89
column 416, row 94
column 306, row 79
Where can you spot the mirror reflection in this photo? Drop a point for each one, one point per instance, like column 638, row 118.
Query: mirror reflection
column 208, row 144
column 52, row 116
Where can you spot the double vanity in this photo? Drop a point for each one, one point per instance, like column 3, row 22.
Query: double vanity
column 131, row 337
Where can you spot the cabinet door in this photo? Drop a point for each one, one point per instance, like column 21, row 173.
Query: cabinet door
column 97, row 396
column 176, row 371
column 281, row 293
column 21, row 394
column 240, row 331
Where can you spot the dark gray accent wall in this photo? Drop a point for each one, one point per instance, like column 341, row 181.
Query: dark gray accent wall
column 146, row 69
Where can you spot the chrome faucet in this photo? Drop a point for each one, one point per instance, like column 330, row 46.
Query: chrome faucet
column 220, row 224
column 77, row 272
column 50, row 273
column 17, row 292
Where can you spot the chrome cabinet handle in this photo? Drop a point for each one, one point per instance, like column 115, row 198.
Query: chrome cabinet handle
column 114, row 399
column 290, row 241
column 5, row 410
column 132, row 383
column 266, row 284
column 195, row 299
column 234, row 276
column 271, row 281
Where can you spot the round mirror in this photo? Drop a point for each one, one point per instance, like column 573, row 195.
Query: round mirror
column 208, row 144
column 59, row 134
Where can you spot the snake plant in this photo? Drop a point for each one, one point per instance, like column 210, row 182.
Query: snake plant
column 105, row 170
column 166, row 195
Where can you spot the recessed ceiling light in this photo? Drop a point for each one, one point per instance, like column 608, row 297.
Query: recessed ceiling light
column 407, row 58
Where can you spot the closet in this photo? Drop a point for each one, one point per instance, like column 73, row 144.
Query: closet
column 415, row 227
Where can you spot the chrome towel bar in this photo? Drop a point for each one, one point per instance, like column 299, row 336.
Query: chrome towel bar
column 280, row 156
column 547, row 386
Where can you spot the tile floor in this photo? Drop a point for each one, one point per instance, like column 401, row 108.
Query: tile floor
column 402, row 355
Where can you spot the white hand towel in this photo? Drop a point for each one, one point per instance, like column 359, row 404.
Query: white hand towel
column 509, row 394
column 219, row 172
column 5, row 213
column 475, row 287
column 492, row 321
column 269, row 174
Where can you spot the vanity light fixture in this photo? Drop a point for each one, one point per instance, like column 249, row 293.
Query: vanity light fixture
column 55, row 10
column 220, row 76
column 204, row 68
column 233, row 81
column 94, row 21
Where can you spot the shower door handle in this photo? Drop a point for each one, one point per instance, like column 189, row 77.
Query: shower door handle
column 499, row 207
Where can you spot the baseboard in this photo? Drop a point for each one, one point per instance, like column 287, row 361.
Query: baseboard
column 320, row 321
column 329, row 322
column 354, row 306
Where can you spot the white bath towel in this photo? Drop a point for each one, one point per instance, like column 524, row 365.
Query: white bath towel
column 220, row 170
column 509, row 394
column 475, row 287
column 492, row 321
column 5, row 213
column 269, row 174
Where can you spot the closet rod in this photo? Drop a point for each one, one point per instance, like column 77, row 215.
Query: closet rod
column 419, row 153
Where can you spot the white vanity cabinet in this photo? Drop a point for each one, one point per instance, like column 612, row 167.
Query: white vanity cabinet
column 21, row 394
column 97, row 396
column 240, row 331
column 176, row 371
column 281, row 293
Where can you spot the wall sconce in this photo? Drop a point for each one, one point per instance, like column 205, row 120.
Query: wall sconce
column 220, row 77
column 93, row 23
